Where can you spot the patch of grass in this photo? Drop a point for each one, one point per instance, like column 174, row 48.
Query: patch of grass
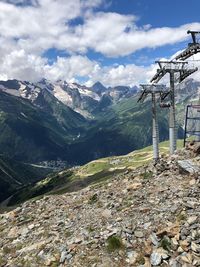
column 114, row 243
column 2, row 261
column 68, row 234
column 165, row 243
column 90, row 229
column 55, row 264
column 140, row 259
column 93, row 199
column 181, row 216
column 94, row 167
column 8, row 250
column 147, row 175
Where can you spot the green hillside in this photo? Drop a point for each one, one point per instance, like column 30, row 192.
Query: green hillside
column 31, row 134
column 49, row 130
column 14, row 175
column 93, row 172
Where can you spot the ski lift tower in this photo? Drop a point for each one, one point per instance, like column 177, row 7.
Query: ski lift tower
column 173, row 68
column 192, row 49
column 153, row 89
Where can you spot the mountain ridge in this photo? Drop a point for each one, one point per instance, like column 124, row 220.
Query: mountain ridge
column 80, row 98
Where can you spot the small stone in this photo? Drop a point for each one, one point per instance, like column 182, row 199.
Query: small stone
column 106, row 213
column 147, row 225
column 196, row 261
column 50, row 260
column 31, row 226
column 154, row 239
column 147, row 262
column 195, row 247
column 171, row 231
column 190, row 204
column 24, row 232
column 155, row 258
column 132, row 256
column 139, row 234
column 147, row 248
column 163, row 253
column 119, row 219
column 174, row 263
column 192, row 182
column 180, row 250
column 184, row 245
column 63, row 256
column 187, row 258
column 134, row 186
column 69, row 256
column 13, row 233
column 128, row 231
column 192, row 220
column 174, row 243
column 78, row 240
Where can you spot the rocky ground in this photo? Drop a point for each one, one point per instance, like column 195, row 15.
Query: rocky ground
column 146, row 217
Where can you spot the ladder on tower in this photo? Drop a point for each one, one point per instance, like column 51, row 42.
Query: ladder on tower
column 195, row 119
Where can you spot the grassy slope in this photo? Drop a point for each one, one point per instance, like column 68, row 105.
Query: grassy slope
column 91, row 173
column 14, row 175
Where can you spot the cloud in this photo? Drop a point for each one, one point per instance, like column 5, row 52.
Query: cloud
column 46, row 24
column 69, row 68
column 22, row 66
column 129, row 75
column 19, row 65
column 31, row 27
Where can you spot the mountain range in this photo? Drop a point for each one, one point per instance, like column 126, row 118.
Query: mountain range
column 44, row 122
column 82, row 99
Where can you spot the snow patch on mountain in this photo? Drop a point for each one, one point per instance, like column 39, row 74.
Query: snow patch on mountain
column 62, row 95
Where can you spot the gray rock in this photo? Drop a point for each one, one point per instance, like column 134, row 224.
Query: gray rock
column 195, row 247
column 69, row 256
column 132, row 256
column 63, row 256
column 155, row 258
column 186, row 166
column 154, row 239
column 139, row 234
column 192, row 219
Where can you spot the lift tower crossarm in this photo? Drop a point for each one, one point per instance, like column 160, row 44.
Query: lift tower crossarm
column 185, row 73
column 192, row 49
column 166, row 67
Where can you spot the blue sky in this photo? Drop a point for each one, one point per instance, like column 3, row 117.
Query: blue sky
column 171, row 13
column 112, row 41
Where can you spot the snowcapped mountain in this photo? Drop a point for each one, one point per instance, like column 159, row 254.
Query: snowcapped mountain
column 189, row 90
column 82, row 99
column 87, row 100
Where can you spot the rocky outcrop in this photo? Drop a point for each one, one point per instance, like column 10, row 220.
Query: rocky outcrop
column 194, row 147
column 149, row 216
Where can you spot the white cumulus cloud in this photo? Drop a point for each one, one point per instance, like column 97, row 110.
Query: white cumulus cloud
column 29, row 28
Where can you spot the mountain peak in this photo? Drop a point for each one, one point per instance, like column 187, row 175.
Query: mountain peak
column 98, row 87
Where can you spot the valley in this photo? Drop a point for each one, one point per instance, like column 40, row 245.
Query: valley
column 37, row 118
